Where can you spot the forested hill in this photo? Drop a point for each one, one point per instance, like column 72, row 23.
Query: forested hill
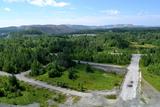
column 60, row 29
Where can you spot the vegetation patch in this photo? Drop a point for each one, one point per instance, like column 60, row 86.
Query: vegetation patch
column 25, row 94
column 143, row 100
column 142, row 45
column 59, row 98
column 153, row 79
column 111, row 97
column 82, row 78
column 150, row 67
column 76, row 99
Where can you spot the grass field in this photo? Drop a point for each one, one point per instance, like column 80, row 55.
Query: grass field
column 154, row 80
column 31, row 95
column 147, row 46
column 98, row 80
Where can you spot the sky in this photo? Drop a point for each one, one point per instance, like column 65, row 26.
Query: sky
column 79, row 12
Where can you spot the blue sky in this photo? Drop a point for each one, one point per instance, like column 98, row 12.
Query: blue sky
column 85, row 12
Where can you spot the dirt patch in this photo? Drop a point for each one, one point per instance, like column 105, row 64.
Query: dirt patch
column 150, row 97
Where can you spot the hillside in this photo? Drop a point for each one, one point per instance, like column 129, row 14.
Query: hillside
column 59, row 29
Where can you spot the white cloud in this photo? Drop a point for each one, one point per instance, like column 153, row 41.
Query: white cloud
column 111, row 12
column 7, row 9
column 12, row 1
column 42, row 3
column 47, row 3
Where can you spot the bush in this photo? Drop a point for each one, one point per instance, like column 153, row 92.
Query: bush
column 13, row 84
column 88, row 69
column 36, row 69
column 59, row 98
column 72, row 74
column 11, row 88
column 62, row 84
column 2, row 92
column 54, row 71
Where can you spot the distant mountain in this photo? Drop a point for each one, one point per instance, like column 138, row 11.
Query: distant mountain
column 60, row 29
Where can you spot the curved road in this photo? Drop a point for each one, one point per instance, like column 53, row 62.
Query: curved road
column 22, row 77
column 129, row 87
column 50, row 87
column 33, row 82
column 127, row 93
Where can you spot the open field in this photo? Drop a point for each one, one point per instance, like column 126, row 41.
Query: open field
column 98, row 80
column 147, row 46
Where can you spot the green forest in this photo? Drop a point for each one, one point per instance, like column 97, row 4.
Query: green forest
column 51, row 58
column 17, row 54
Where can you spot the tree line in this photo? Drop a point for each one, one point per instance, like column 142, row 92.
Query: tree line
column 18, row 54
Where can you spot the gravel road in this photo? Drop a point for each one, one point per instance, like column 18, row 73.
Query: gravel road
column 50, row 87
column 4, row 74
column 33, row 82
column 105, row 67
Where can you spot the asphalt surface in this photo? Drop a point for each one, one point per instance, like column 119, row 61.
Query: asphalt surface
column 132, row 78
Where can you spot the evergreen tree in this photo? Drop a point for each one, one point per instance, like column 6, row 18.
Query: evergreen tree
column 36, row 68
column 72, row 74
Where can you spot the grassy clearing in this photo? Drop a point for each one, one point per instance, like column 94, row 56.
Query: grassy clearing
column 136, row 45
column 32, row 95
column 88, row 81
column 154, row 80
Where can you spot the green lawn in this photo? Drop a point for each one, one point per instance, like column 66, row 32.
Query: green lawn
column 31, row 95
column 154, row 80
column 98, row 80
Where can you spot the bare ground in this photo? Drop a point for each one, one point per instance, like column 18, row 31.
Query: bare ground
column 150, row 97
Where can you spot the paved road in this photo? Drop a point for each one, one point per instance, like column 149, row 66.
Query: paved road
column 131, row 82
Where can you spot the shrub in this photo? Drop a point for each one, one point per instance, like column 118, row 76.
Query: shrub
column 88, row 69
column 72, row 74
